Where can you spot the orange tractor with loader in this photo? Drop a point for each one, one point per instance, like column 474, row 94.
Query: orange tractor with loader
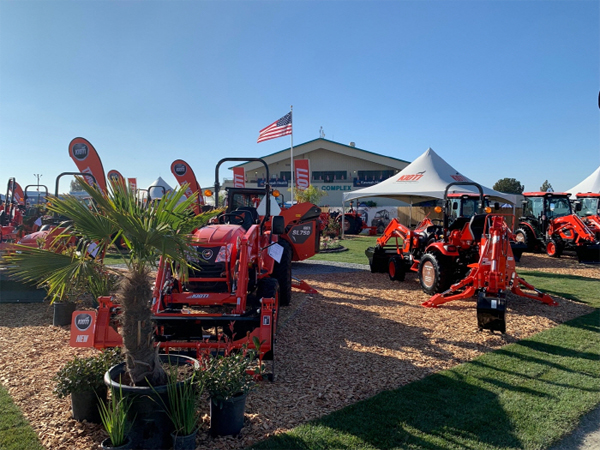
column 460, row 259
column 589, row 210
column 549, row 224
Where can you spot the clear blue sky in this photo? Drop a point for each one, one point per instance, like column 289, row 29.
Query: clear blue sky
column 497, row 88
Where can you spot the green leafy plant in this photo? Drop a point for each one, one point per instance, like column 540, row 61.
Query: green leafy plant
column 81, row 374
column 183, row 402
column 227, row 375
column 114, row 417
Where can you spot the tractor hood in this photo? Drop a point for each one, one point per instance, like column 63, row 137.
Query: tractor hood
column 218, row 234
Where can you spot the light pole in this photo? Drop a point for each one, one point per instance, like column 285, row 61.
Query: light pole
column 38, row 175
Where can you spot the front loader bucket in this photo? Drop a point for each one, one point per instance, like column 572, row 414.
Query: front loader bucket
column 588, row 254
column 491, row 313
column 518, row 248
column 379, row 258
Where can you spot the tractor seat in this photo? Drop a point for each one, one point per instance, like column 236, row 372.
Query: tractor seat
column 476, row 225
column 249, row 214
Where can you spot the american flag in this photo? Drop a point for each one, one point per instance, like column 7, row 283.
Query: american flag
column 281, row 127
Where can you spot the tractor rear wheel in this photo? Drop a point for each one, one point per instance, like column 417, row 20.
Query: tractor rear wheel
column 434, row 273
column 396, row 269
column 525, row 236
column 348, row 224
column 282, row 272
column 358, row 223
column 554, row 248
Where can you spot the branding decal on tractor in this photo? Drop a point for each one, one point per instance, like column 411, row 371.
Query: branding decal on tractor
column 80, row 151
column 199, row 296
column 81, row 338
column 83, row 322
column 207, row 254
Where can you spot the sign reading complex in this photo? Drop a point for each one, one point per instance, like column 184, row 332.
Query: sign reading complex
column 337, row 187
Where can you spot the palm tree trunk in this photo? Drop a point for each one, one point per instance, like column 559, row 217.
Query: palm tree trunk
column 137, row 329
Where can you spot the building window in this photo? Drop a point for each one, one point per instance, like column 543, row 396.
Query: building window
column 286, row 175
column 375, row 175
column 330, row 176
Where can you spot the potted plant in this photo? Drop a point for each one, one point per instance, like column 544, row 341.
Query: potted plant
column 115, row 421
column 83, row 380
column 161, row 229
column 228, row 378
column 182, row 408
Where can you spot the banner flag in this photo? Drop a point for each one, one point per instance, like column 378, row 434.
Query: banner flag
column 114, row 176
column 183, row 173
column 18, row 194
column 239, row 177
column 302, row 169
column 87, row 161
column 132, row 182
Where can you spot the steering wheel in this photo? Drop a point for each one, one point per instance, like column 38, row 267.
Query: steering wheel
column 235, row 218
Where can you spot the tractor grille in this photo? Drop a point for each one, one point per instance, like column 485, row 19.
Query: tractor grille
column 206, row 267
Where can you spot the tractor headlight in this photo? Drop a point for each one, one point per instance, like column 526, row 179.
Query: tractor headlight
column 224, row 253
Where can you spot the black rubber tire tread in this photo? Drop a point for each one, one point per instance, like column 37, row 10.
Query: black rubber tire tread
column 399, row 271
column 358, row 222
column 528, row 238
column 442, row 273
column 348, row 224
column 282, row 272
column 267, row 288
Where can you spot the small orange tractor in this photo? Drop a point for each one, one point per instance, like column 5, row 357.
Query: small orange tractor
column 472, row 255
column 549, row 224
column 11, row 216
column 241, row 275
column 587, row 206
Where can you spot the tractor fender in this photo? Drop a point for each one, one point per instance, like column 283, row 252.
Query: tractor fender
column 528, row 226
column 442, row 248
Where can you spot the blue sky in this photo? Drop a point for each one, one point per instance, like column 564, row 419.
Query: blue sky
column 497, row 88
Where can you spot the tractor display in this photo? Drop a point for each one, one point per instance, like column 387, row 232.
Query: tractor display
column 11, row 216
column 549, row 224
column 587, row 206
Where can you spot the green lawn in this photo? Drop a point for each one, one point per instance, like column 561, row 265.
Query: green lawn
column 356, row 246
column 15, row 431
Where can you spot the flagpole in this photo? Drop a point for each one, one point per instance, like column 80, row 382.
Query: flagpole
column 292, row 152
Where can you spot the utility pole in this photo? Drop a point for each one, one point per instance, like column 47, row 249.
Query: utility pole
column 38, row 175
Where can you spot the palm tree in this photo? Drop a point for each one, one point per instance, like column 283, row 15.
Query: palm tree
column 148, row 231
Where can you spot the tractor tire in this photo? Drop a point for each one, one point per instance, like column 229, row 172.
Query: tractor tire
column 380, row 228
column 396, row 268
column 525, row 236
column 282, row 272
column 434, row 273
column 269, row 288
column 348, row 224
column 358, row 223
column 554, row 248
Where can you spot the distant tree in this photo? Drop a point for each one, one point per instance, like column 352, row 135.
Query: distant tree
column 76, row 186
column 546, row 187
column 508, row 186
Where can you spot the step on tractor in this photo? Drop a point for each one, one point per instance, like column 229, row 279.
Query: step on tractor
column 549, row 224
column 587, row 206
column 240, row 276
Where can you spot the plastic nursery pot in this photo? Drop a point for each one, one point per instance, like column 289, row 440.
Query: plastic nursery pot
column 107, row 445
column 184, row 442
column 63, row 311
column 151, row 427
column 227, row 418
column 84, row 404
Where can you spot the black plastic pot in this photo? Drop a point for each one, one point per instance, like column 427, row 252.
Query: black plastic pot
column 84, row 404
column 151, row 427
column 63, row 311
column 107, row 445
column 184, row 442
column 227, row 418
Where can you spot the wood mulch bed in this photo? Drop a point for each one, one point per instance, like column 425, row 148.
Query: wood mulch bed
column 360, row 335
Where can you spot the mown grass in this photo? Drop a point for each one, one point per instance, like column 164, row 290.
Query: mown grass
column 523, row 396
column 573, row 287
column 15, row 431
column 356, row 246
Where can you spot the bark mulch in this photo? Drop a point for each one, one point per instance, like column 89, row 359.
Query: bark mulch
column 360, row 335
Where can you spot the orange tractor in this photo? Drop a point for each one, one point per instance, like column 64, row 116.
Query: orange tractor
column 549, row 224
column 472, row 255
column 587, row 206
column 241, row 275
column 11, row 216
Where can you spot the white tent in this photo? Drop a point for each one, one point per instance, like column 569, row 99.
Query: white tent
column 425, row 178
column 590, row 184
column 158, row 188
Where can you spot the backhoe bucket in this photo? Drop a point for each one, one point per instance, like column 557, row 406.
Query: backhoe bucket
column 491, row 313
column 589, row 254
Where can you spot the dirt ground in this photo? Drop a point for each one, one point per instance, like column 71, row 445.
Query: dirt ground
column 359, row 335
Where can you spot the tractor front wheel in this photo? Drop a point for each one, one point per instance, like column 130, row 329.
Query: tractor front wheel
column 434, row 273
column 554, row 248
column 282, row 272
column 396, row 269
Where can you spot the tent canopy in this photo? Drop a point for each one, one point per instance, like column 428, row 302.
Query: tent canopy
column 590, row 184
column 156, row 188
column 425, row 178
